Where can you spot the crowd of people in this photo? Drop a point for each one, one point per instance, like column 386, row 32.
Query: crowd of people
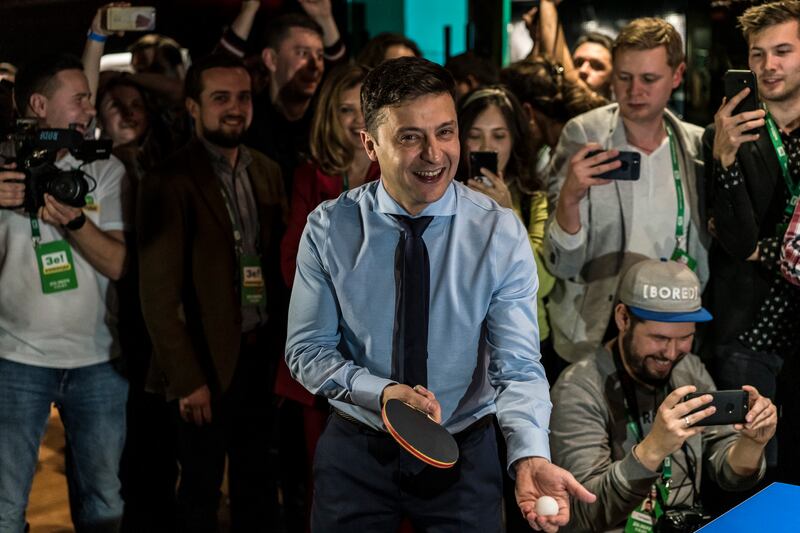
column 283, row 241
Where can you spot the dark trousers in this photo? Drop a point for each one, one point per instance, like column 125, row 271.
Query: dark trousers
column 240, row 428
column 364, row 482
column 736, row 365
column 149, row 468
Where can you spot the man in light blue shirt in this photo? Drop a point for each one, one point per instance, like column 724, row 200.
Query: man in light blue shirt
column 482, row 346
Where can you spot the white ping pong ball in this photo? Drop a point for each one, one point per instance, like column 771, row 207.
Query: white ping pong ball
column 546, row 506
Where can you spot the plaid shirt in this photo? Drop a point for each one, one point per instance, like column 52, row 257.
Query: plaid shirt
column 790, row 252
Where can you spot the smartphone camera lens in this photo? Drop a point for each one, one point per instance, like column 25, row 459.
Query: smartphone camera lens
column 729, row 408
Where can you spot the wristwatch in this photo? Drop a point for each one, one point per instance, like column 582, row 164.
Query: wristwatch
column 76, row 223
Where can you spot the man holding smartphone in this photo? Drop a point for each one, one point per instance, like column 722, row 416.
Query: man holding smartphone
column 599, row 227
column 621, row 423
column 754, row 156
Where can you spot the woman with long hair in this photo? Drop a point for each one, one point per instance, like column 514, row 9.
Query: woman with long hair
column 339, row 161
column 492, row 120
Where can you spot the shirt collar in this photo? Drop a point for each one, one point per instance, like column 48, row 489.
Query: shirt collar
column 218, row 158
column 444, row 206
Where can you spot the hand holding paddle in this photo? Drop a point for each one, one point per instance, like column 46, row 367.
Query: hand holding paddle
column 537, row 477
column 419, row 398
column 412, row 417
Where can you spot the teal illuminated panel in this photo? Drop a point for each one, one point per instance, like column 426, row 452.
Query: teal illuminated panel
column 425, row 21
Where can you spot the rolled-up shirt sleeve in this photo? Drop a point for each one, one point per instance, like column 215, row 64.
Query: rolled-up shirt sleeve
column 313, row 335
column 523, row 398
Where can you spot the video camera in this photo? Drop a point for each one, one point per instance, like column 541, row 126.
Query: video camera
column 35, row 150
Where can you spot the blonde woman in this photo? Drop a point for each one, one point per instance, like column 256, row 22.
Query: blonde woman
column 339, row 161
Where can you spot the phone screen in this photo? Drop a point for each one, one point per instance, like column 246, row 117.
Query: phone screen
column 479, row 160
column 737, row 80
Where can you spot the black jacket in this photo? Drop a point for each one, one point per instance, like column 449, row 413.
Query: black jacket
column 742, row 216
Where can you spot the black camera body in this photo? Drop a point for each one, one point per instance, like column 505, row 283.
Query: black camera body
column 35, row 151
column 681, row 520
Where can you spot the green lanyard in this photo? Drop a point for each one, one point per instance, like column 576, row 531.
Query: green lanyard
column 783, row 160
column 238, row 237
column 36, row 235
column 676, row 176
column 632, row 411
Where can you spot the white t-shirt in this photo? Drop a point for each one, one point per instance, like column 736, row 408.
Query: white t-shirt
column 655, row 205
column 67, row 329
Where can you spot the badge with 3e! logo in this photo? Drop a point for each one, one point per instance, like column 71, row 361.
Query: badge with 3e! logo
column 56, row 268
column 91, row 205
column 252, row 281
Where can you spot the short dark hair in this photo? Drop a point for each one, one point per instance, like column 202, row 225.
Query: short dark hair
column 193, row 86
column 37, row 76
column 468, row 64
column 278, row 28
column 597, row 38
column 396, row 81
column 375, row 50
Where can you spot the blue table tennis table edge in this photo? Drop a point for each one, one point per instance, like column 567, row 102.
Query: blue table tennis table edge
column 723, row 520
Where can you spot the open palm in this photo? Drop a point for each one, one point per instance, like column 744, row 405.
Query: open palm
column 538, row 477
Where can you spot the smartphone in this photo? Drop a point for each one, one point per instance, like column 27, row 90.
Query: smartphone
column 732, row 406
column 479, row 160
column 138, row 18
column 737, row 80
column 628, row 170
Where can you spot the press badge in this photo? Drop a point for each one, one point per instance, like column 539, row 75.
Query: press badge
column 252, row 281
column 56, row 268
column 90, row 204
column 644, row 518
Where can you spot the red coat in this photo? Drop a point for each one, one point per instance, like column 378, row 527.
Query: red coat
column 311, row 187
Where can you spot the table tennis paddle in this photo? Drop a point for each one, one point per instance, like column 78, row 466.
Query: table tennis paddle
column 419, row 435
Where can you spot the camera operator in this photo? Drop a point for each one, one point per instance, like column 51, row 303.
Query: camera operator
column 56, row 313
column 620, row 423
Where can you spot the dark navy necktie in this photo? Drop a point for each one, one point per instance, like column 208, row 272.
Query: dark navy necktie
column 412, row 270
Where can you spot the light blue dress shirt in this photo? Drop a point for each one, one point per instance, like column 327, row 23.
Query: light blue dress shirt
column 483, row 341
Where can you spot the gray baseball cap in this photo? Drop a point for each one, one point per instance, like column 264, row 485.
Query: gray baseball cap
column 663, row 291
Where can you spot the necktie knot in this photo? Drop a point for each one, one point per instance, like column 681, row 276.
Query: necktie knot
column 415, row 226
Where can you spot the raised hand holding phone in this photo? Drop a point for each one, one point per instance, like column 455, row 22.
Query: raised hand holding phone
column 738, row 118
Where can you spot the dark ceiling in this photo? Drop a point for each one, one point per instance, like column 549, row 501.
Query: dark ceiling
column 30, row 27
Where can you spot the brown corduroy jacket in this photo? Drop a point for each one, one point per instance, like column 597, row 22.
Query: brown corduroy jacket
column 189, row 269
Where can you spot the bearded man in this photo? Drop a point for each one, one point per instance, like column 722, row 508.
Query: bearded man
column 209, row 224
column 621, row 421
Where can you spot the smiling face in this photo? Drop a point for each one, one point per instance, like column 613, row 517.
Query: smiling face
column 593, row 62
column 68, row 103
column 775, row 59
column 416, row 145
column 651, row 349
column 490, row 133
column 225, row 109
column 350, row 116
column 123, row 114
column 643, row 82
